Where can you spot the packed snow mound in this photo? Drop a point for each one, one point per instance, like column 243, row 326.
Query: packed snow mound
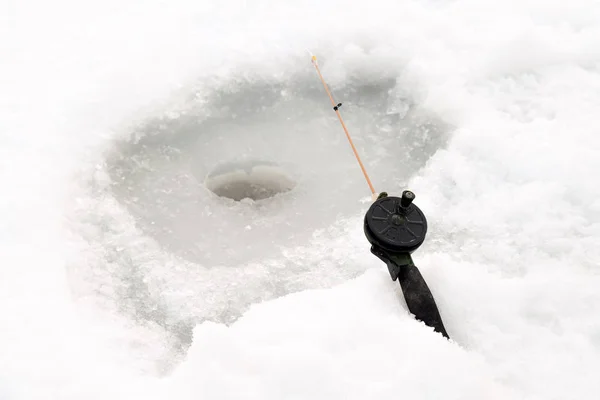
column 358, row 340
column 355, row 341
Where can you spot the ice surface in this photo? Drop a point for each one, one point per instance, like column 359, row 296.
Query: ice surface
column 122, row 277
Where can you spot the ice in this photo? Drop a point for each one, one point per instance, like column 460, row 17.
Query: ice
column 122, row 276
column 399, row 102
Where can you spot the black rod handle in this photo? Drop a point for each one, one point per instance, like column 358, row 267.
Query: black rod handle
column 419, row 299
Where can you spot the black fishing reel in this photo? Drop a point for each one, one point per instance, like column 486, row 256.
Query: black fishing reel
column 396, row 227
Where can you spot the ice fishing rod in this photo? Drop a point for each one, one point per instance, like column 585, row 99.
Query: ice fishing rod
column 395, row 228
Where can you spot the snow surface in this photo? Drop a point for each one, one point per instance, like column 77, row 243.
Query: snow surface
column 123, row 277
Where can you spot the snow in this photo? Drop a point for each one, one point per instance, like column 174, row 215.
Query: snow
column 350, row 342
column 123, row 277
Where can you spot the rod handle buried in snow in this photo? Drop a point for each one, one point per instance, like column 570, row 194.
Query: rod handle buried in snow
column 419, row 299
column 417, row 295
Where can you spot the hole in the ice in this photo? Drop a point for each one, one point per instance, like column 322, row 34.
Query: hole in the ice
column 248, row 180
